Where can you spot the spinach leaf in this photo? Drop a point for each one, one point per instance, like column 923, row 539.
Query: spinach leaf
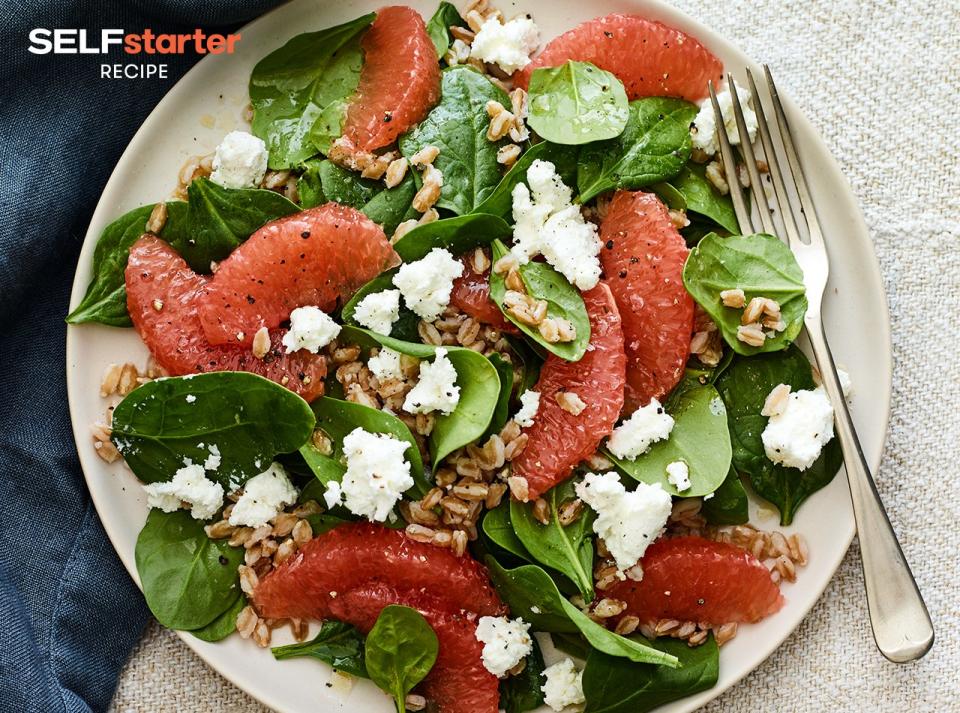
column 572, row 644
column 405, row 328
column 299, row 92
column 476, row 377
column 499, row 530
column 615, row 685
column 699, row 438
column 188, row 579
column 532, row 595
column 744, row 387
column 401, row 649
column 691, row 191
column 567, row 549
column 106, row 298
column 337, row 419
column 522, row 692
column 531, row 362
column 438, row 27
column 457, row 235
column 729, row 505
column 563, row 301
column 225, row 624
column 248, row 418
column 500, row 201
column 325, row 181
column 219, row 219
column 654, row 146
column 761, row 266
column 577, row 103
column 501, row 414
column 458, row 127
column 337, row 644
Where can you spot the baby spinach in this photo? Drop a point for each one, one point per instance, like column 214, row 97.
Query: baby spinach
column 438, row 27
column 531, row 360
column 405, row 328
column 699, row 438
column 697, row 195
column 761, row 266
column 337, row 644
column 299, row 92
column 563, row 302
column 106, row 298
column 501, row 414
column 567, row 549
column 729, row 505
column 188, row 579
column 744, row 388
column 576, row 103
column 573, row 644
column 401, row 648
column 654, row 146
column 164, row 423
column 500, row 200
column 615, row 685
column 337, row 419
column 479, row 388
column 457, row 235
column 458, row 127
column 532, row 595
column 499, row 530
column 522, row 692
column 225, row 624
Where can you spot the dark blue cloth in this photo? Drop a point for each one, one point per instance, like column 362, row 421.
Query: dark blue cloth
column 69, row 613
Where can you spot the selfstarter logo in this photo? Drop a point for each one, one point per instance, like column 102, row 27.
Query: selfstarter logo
column 143, row 45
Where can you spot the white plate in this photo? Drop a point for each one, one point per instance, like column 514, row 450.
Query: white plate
column 209, row 101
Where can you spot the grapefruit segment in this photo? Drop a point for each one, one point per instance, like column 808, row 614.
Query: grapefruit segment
column 162, row 296
column 650, row 58
column 351, row 556
column 471, row 295
column 319, row 257
column 399, row 81
column 694, row 579
column 643, row 257
column 558, row 440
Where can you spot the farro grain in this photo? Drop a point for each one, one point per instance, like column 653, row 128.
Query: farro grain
column 157, row 219
column 128, row 379
column 495, row 493
column 302, row 532
column 515, row 447
column 733, row 298
column 246, row 621
column 679, row 218
column 396, row 172
column 751, row 334
column 311, row 507
column 240, row 536
column 110, row 380
column 462, row 34
column 285, row 550
column 715, row 175
column 627, row 625
column 261, row 343
column 252, row 555
column 570, row 511
column 458, row 542
column 424, row 157
column 219, row 530
column 608, row 607
column 541, row 511
column 508, row 154
column 519, row 488
column 272, row 180
column 261, row 634
column 248, row 580
column 570, row 402
column 415, row 702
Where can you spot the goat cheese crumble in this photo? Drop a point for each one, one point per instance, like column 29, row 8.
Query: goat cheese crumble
column 310, row 328
column 264, row 496
column 506, row 642
column 213, row 460
column 646, row 426
column 188, row 485
column 704, row 129
column 564, row 685
column 378, row 311
column 437, row 388
column 628, row 522
column 240, row 161
column 549, row 224
column 678, row 475
column 377, row 475
column 385, row 365
column 529, row 405
column 507, row 45
column 795, row 436
column 426, row 283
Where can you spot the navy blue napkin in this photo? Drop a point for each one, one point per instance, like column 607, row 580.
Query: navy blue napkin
column 69, row 613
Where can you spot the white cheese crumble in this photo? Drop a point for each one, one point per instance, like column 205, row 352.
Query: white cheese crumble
column 377, row 475
column 564, row 685
column 385, row 365
column 437, row 388
column 190, row 398
column 646, row 426
column 213, row 460
column 628, row 522
column 795, row 436
column 508, row 45
column 505, row 642
column 678, row 475
column 704, row 130
column 264, row 496
column 378, row 311
column 548, row 223
column 426, row 283
column 310, row 328
column 189, row 485
column 529, row 405
column 240, row 161
column 846, row 383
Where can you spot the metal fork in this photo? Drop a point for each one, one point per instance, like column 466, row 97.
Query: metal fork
column 901, row 624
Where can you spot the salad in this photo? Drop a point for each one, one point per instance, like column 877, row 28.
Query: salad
column 462, row 368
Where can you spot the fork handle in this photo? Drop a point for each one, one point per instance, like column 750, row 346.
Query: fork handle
column 901, row 623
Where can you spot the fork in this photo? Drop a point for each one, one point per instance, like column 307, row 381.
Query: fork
column 901, row 623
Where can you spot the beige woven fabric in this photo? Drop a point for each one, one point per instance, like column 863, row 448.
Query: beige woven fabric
column 880, row 79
